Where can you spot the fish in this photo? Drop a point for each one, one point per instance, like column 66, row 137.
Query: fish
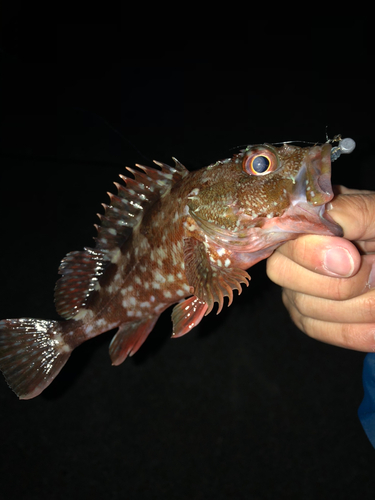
column 172, row 236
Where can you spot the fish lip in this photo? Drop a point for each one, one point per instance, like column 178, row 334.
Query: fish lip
column 305, row 218
column 317, row 166
column 311, row 193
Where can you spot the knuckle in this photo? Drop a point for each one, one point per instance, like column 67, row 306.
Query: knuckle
column 341, row 289
column 348, row 336
column 358, row 337
column 367, row 308
column 299, row 302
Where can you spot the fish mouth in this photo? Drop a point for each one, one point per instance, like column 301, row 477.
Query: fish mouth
column 305, row 218
column 317, row 172
column 313, row 190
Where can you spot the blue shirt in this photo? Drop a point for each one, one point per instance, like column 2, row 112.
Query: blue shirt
column 366, row 411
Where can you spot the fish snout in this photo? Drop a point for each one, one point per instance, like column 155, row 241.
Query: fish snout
column 318, row 175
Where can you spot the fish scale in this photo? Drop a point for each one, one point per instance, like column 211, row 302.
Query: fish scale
column 171, row 236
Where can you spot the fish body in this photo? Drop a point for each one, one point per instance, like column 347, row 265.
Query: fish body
column 171, row 236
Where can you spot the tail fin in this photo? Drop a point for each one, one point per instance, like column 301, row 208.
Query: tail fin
column 32, row 353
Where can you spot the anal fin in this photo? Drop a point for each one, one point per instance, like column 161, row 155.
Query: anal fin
column 129, row 339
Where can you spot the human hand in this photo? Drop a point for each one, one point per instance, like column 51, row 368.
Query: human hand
column 329, row 282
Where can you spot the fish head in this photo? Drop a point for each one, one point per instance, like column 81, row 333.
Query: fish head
column 266, row 195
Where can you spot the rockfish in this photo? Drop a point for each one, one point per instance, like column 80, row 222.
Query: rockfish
column 172, row 236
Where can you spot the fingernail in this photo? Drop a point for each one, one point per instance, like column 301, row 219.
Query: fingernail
column 338, row 262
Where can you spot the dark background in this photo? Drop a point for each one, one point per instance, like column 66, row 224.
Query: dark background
column 245, row 406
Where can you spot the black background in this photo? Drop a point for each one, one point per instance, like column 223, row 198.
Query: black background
column 245, row 406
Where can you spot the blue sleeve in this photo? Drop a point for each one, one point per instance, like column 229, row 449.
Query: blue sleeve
column 366, row 411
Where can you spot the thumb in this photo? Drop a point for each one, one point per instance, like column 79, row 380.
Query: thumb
column 355, row 212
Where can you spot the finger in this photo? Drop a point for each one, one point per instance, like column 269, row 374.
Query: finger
column 286, row 273
column 356, row 215
column 344, row 190
column 359, row 309
column 359, row 337
column 326, row 255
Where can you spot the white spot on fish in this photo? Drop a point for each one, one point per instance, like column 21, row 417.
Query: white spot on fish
column 170, row 278
column 133, row 301
column 159, row 277
column 162, row 253
column 115, row 256
column 137, row 280
column 227, row 263
column 159, row 307
column 219, row 263
column 167, row 294
column 190, row 227
column 86, row 314
column 193, row 193
column 221, row 252
column 180, row 293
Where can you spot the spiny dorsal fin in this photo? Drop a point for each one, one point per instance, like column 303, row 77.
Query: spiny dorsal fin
column 126, row 209
column 81, row 270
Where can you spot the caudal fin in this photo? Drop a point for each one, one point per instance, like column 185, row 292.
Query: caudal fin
column 32, row 353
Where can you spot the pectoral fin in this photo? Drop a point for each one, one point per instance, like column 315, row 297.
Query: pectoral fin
column 211, row 282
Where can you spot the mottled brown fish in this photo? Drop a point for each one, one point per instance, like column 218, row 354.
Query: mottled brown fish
column 167, row 236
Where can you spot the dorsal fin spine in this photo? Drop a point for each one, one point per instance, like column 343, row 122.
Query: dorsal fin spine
column 81, row 270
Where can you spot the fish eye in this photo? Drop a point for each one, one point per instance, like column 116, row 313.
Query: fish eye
column 259, row 161
column 260, row 164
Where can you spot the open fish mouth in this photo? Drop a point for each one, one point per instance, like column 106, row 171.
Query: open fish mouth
column 313, row 190
column 305, row 218
column 313, row 183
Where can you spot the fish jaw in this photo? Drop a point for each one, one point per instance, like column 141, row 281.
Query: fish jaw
column 317, row 172
column 311, row 192
column 301, row 219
